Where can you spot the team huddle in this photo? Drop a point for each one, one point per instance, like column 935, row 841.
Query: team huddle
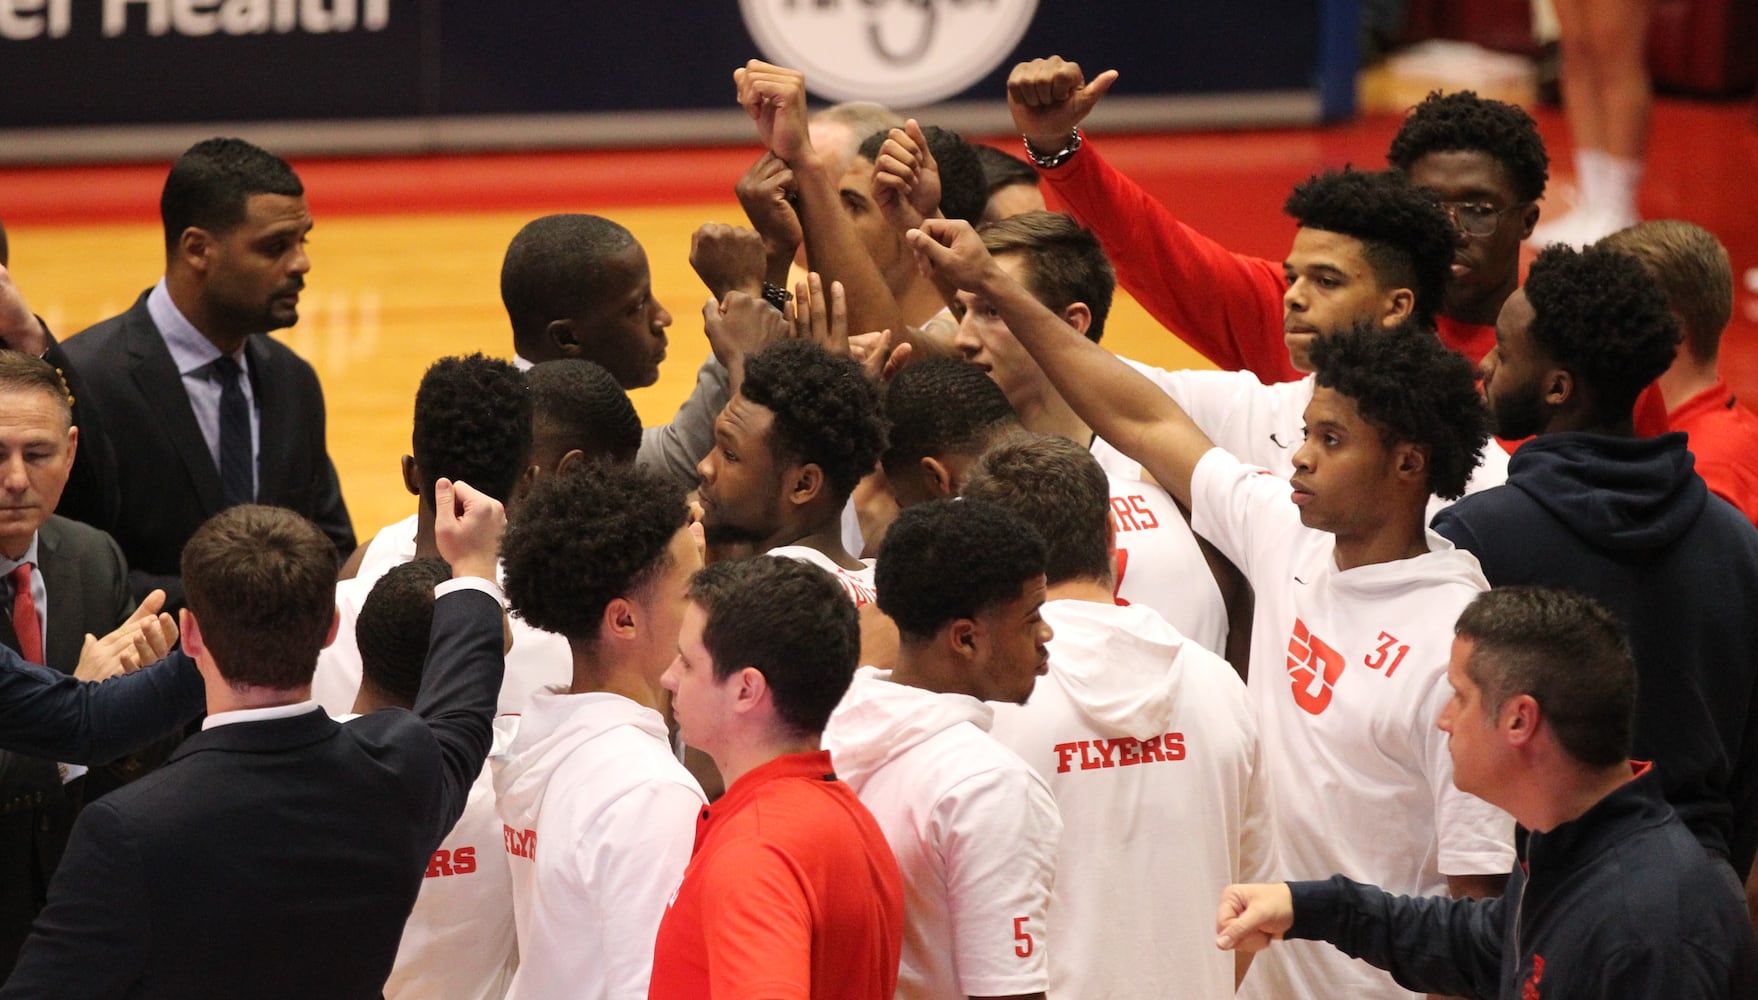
column 931, row 650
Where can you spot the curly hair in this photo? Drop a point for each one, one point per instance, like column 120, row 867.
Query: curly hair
column 392, row 630
column 583, row 538
column 1413, row 390
column 1405, row 236
column 826, row 412
column 790, row 621
column 1058, row 488
column 1064, row 262
column 963, row 190
column 472, row 423
column 550, row 268
column 579, row 404
column 951, row 559
column 1598, row 313
column 1464, row 122
column 939, row 407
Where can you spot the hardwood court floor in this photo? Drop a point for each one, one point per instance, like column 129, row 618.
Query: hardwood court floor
column 406, row 253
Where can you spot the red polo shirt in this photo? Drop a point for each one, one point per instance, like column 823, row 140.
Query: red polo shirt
column 792, row 893
column 1724, row 440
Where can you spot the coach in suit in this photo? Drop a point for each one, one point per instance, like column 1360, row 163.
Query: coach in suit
column 46, row 563
column 198, row 410
column 278, row 853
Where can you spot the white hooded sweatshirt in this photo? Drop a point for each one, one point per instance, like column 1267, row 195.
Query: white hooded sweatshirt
column 1348, row 675
column 1148, row 743
column 600, row 819
column 973, row 827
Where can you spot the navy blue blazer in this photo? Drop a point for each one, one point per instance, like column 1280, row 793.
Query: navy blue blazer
column 45, row 713
column 273, row 859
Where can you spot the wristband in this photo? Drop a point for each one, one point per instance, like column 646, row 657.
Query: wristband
column 777, row 297
column 1056, row 159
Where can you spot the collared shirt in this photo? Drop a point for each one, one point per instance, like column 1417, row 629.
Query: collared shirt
column 259, row 714
column 194, row 355
column 39, row 593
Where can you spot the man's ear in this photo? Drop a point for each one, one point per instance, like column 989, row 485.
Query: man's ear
column 1079, row 316
column 1400, row 305
column 72, row 445
column 1528, row 219
column 335, row 627
column 938, row 478
column 620, row 619
column 189, row 631
column 751, row 689
column 1412, row 462
column 411, row 476
column 1518, row 719
column 1559, row 387
column 962, row 638
column 574, row 455
column 564, row 336
column 195, row 247
column 804, row 483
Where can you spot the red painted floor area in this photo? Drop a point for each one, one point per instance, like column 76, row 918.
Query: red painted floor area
column 1703, row 162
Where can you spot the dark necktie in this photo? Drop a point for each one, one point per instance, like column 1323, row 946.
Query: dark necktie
column 237, row 471
column 24, row 615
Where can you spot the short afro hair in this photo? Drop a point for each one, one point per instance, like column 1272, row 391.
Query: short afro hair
column 950, row 559
column 1464, row 122
column 210, row 185
column 1406, row 237
column 393, row 627
column 472, row 423
column 940, row 407
column 1413, row 390
column 826, row 412
column 1064, row 262
column 579, row 404
column 1058, row 488
column 551, row 270
column 790, row 621
column 584, row 537
column 963, row 190
column 1598, row 313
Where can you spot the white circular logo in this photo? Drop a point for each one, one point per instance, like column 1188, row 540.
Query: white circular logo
column 899, row 52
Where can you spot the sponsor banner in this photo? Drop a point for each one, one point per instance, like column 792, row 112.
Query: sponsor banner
column 91, row 62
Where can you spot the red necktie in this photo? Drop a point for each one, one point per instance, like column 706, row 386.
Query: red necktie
column 24, row 615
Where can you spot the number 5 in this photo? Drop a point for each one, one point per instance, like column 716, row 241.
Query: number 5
column 1024, row 949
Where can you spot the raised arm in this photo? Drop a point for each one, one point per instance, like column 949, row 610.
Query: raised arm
column 1117, row 402
column 775, row 98
column 1226, row 305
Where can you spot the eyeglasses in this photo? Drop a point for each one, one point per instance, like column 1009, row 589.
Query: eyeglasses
column 1474, row 218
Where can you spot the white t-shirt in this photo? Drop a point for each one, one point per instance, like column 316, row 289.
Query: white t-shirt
column 1148, row 742
column 458, row 943
column 1263, row 425
column 974, row 830
column 1348, row 675
column 1161, row 566
column 537, row 659
column 857, row 583
column 394, row 545
column 600, row 820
